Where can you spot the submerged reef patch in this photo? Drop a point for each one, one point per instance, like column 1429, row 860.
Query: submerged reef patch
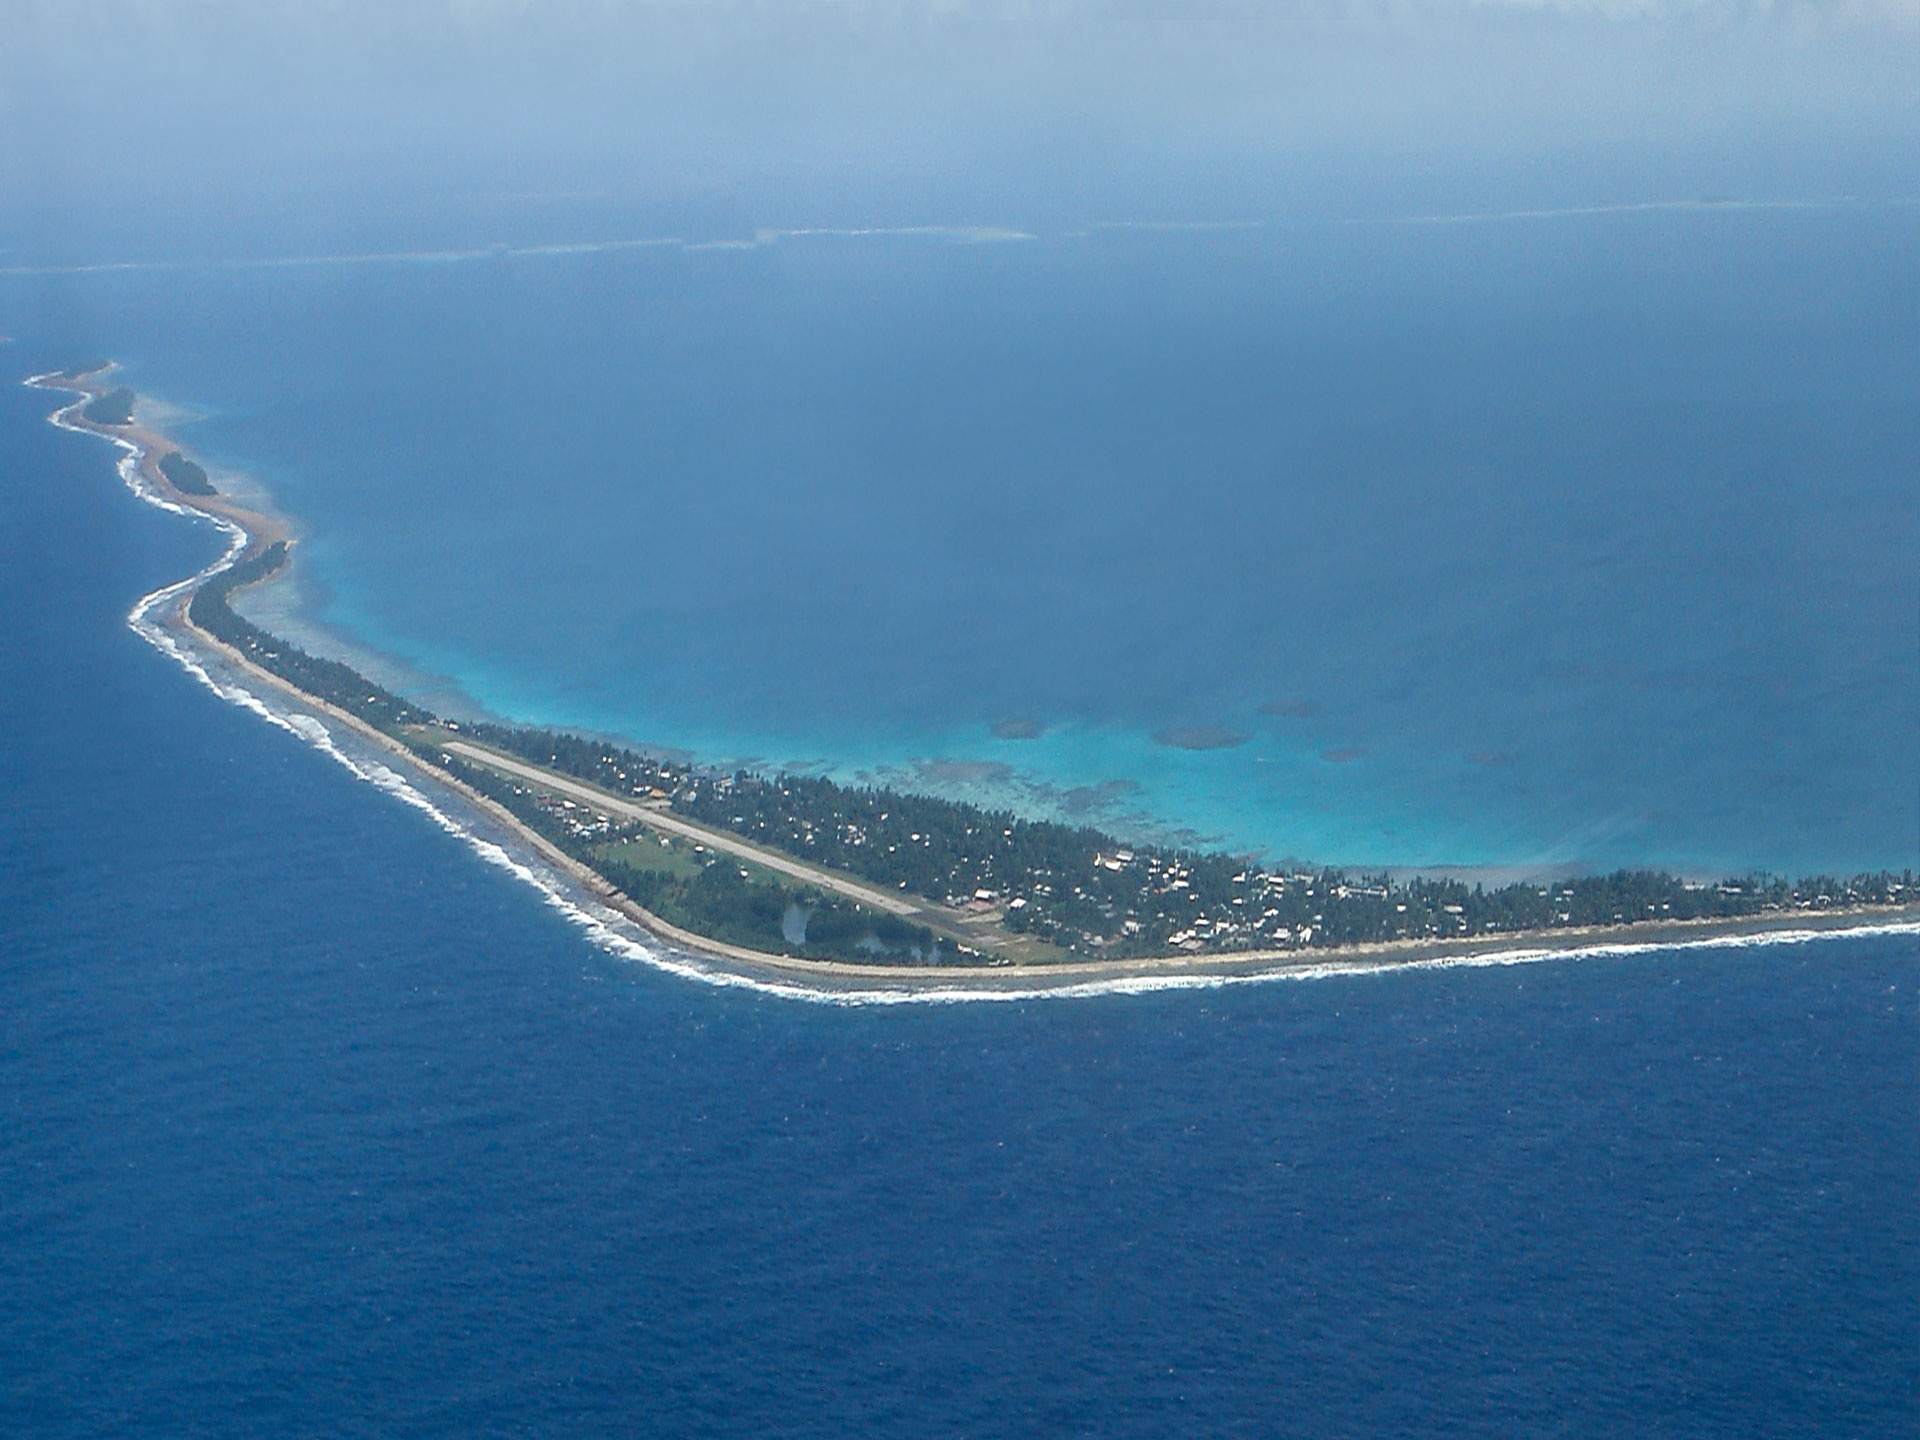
column 1199, row 737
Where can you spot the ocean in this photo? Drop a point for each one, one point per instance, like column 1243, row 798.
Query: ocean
column 1559, row 541
column 313, row 1123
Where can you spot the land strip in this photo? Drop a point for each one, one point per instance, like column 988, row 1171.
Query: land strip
column 657, row 817
column 1072, row 971
column 1050, row 881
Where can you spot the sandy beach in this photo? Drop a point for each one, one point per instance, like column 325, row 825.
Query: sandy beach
column 145, row 449
column 253, row 532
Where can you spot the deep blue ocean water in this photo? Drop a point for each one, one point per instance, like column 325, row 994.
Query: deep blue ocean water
column 311, row 1124
column 1569, row 541
column 1581, row 540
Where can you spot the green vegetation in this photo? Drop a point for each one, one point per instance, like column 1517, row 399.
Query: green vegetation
column 327, row 680
column 185, row 476
column 1091, row 894
column 646, row 850
column 113, row 408
column 1072, row 887
column 696, row 888
column 725, row 901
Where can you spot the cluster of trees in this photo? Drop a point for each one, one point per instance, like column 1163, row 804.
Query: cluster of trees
column 610, row 767
column 719, row 899
column 1072, row 885
column 1255, row 910
column 185, row 476
column 940, row 849
column 726, row 903
column 327, row 680
column 113, row 408
column 1087, row 891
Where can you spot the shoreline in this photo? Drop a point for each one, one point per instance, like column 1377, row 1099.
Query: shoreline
column 145, row 448
column 161, row 617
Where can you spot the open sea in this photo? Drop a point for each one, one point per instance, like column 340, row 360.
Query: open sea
column 1576, row 540
column 1509, row 543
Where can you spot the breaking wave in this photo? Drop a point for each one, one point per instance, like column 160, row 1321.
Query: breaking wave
column 158, row 618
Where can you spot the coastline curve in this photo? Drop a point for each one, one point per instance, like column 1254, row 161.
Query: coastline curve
column 621, row 929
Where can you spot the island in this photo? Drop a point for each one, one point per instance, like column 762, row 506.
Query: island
column 185, row 476
column 111, row 408
column 801, row 873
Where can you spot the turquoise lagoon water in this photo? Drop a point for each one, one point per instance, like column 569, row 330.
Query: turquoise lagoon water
column 312, row 1122
column 1573, row 541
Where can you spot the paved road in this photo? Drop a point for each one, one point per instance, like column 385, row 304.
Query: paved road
column 673, row 825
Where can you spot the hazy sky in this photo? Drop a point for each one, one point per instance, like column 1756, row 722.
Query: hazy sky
column 897, row 111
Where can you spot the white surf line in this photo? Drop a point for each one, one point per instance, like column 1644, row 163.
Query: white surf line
column 958, row 234
column 1480, row 217
column 563, row 249
column 1628, row 207
column 604, row 927
column 617, row 935
column 128, row 469
column 372, row 257
column 601, row 799
column 1337, row 969
column 607, row 929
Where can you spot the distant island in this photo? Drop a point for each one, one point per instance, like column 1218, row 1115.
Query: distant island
column 795, row 869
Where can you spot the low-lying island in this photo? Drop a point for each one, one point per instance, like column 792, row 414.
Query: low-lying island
column 831, row 886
